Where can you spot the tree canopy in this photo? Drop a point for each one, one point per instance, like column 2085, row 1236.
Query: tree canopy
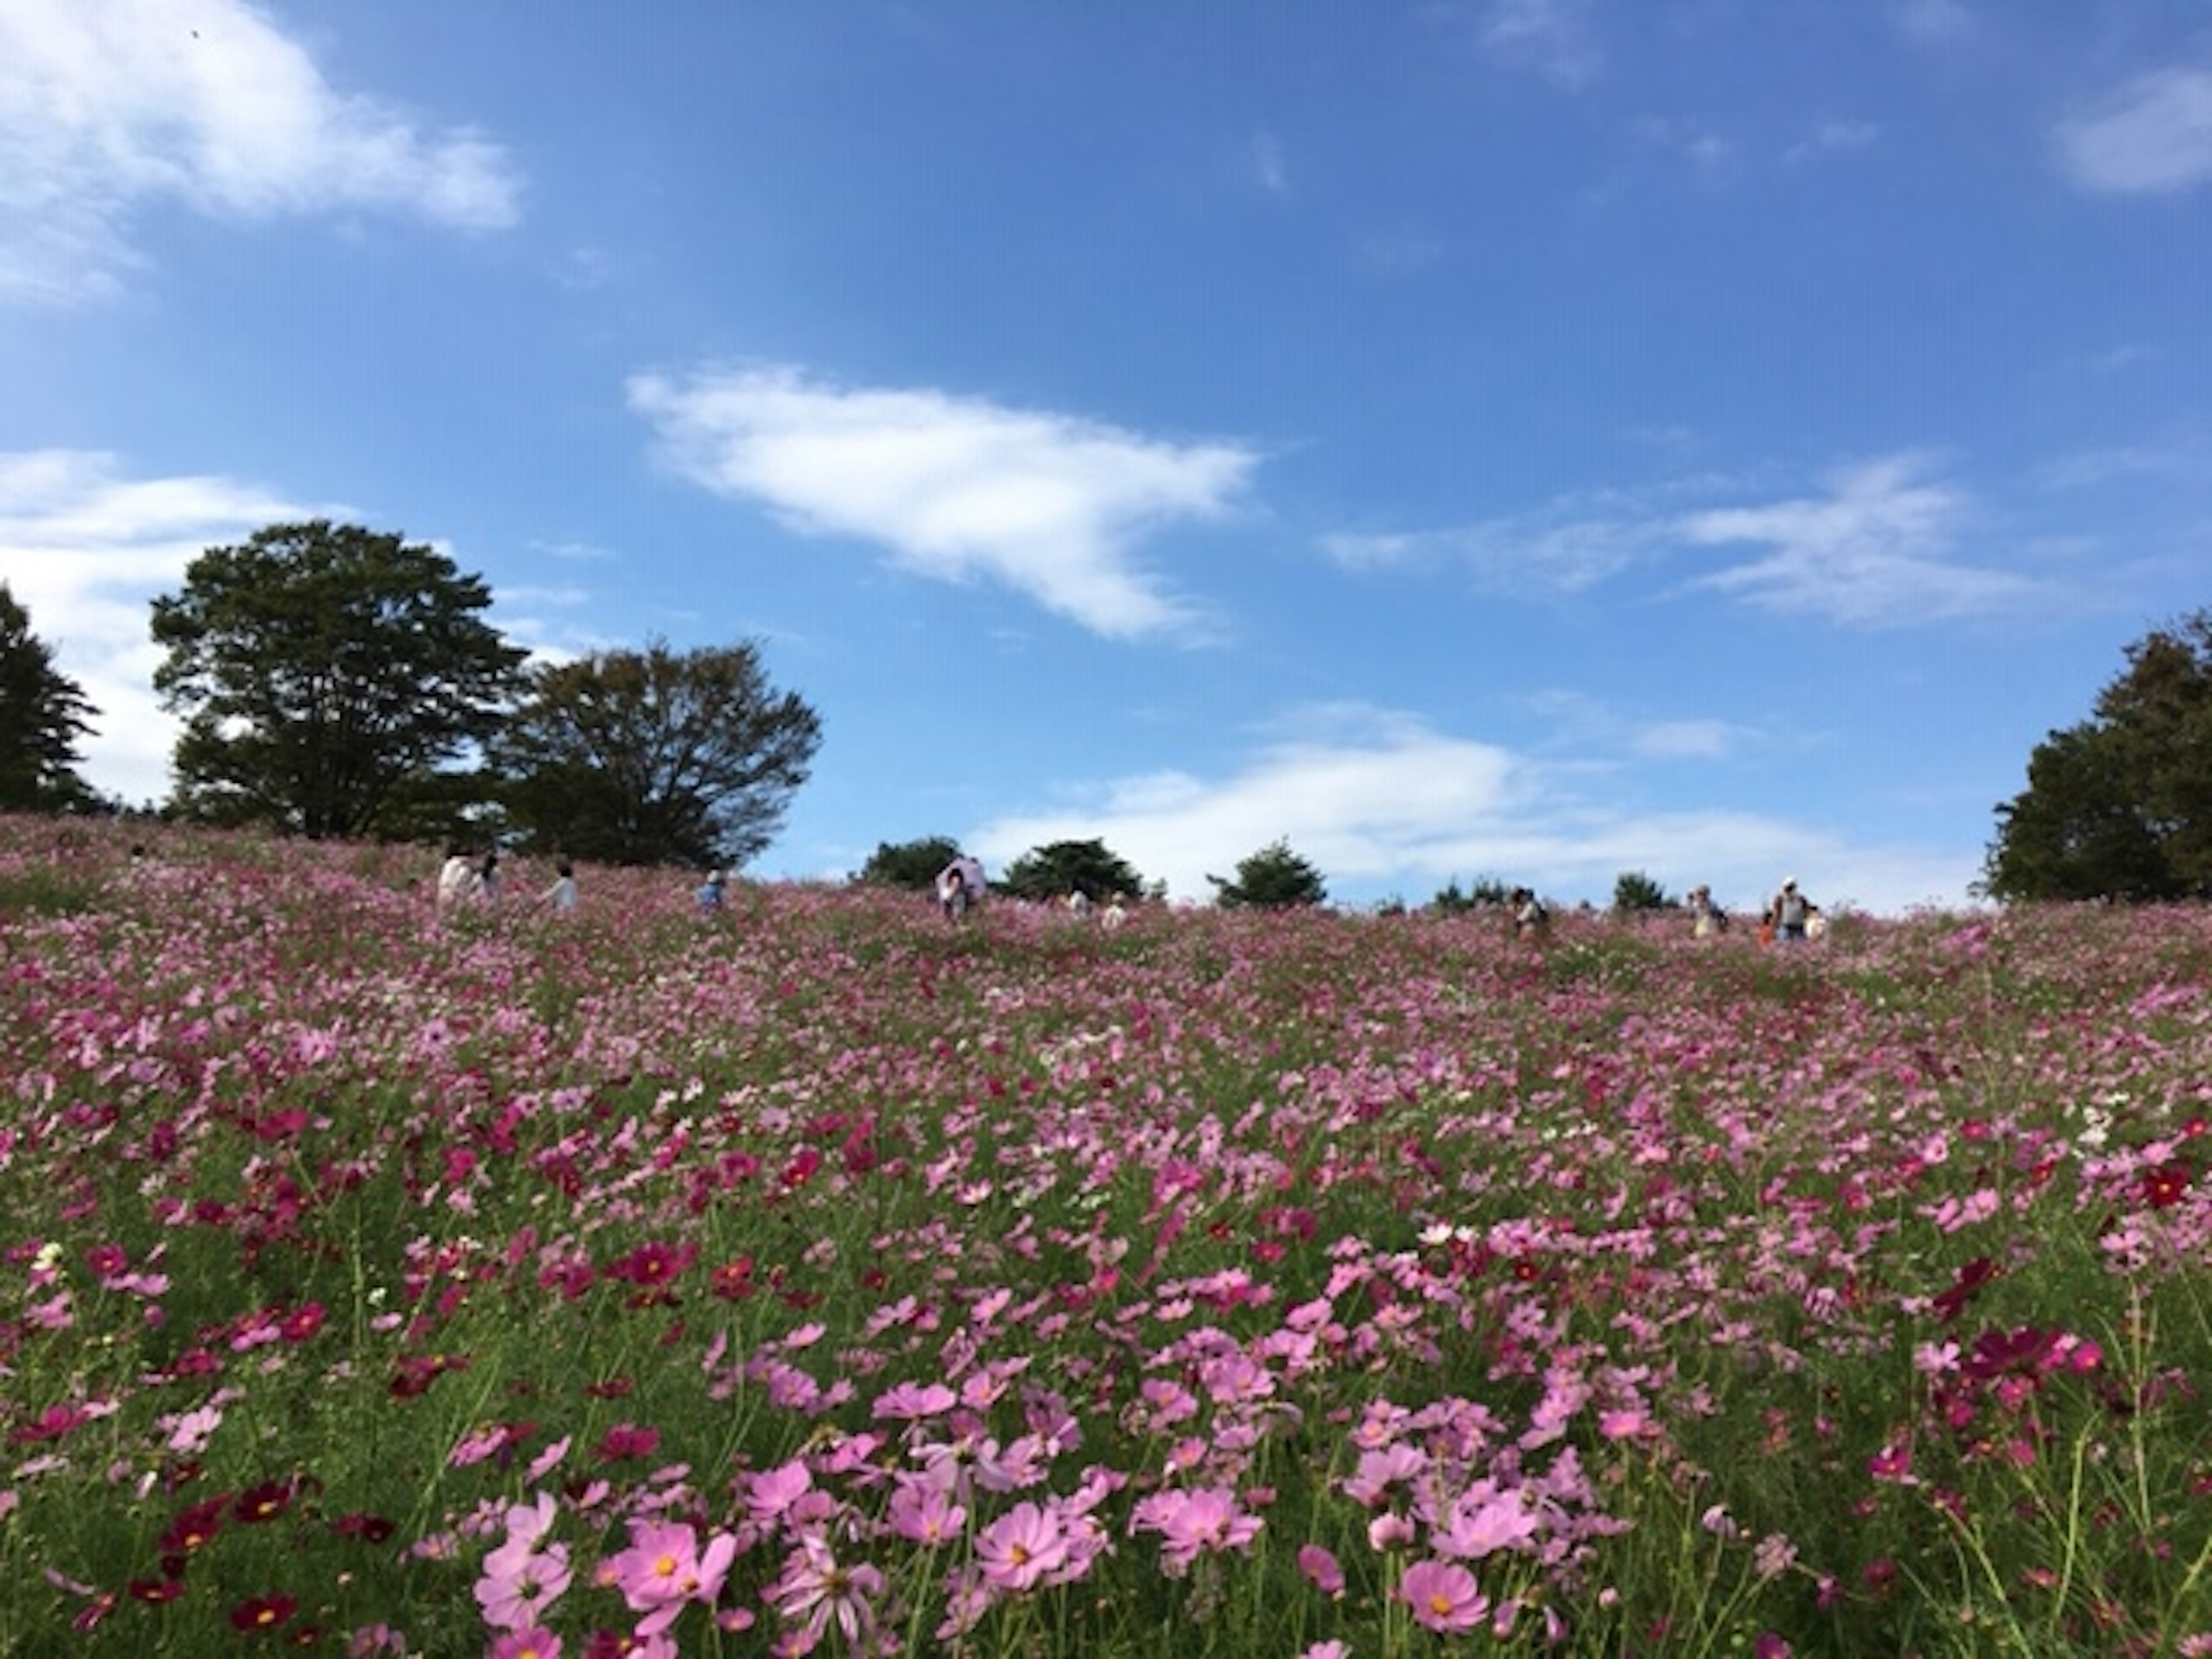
column 1633, row 890
column 1272, row 879
column 322, row 671
column 1060, row 867
column 2120, row 805
column 655, row 757
column 42, row 715
column 911, row 865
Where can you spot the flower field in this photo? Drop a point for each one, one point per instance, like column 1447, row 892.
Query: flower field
column 825, row 1276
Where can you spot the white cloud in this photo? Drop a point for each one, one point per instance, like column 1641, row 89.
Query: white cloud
column 108, row 104
column 87, row 551
column 1051, row 506
column 1553, row 37
column 2149, row 138
column 1380, row 802
column 1875, row 549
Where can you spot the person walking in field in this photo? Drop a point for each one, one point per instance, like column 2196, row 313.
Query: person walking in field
column 458, row 882
column 1792, row 911
column 1706, row 918
column 1531, row 921
column 708, row 898
column 960, row 887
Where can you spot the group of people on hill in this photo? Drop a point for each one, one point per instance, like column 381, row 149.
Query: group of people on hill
column 469, row 878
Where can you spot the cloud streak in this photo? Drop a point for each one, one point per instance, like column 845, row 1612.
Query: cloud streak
column 109, row 105
column 1877, row 546
column 956, row 489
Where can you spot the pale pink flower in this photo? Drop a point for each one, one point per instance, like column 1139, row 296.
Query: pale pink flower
column 1443, row 1596
column 924, row 1514
column 816, row 1588
column 1020, row 1547
column 1192, row 1523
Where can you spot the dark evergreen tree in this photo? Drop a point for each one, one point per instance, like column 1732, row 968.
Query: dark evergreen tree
column 2120, row 805
column 1061, row 867
column 911, row 865
column 1275, row 878
column 42, row 715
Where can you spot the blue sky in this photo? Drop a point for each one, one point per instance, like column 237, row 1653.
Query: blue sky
column 1536, row 439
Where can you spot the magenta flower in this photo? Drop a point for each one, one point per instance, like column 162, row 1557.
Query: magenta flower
column 1321, row 1569
column 1020, row 1547
column 1474, row 1532
column 535, row 1643
column 1443, row 1596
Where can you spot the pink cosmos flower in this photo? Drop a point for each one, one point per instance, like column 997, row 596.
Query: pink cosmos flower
column 1443, row 1596
column 1321, row 1569
column 1020, row 1547
column 535, row 1643
column 519, row 1583
column 815, row 1587
column 663, row 1569
column 1192, row 1523
column 923, row 1514
column 1472, row 1531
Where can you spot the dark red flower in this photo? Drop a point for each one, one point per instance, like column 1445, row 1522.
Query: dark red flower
column 264, row 1612
column 369, row 1528
column 265, row 1501
column 2166, row 1184
column 627, row 1440
column 156, row 1589
column 195, row 1527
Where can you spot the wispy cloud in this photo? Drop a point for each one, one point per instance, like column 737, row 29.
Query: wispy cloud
column 2185, row 461
column 956, row 489
column 1875, row 548
column 1832, row 138
column 87, row 551
column 1268, row 164
column 2151, row 136
column 1565, row 548
column 1553, row 37
column 107, row 105
column 1381, row 801
column 1933, row 22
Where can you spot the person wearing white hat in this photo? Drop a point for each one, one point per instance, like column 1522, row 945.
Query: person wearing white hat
column 1792, row 910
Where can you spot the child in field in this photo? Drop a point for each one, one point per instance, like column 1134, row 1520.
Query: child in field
column 561, row 896
column 458, row 882
column 708, row 898
column 1531, row 921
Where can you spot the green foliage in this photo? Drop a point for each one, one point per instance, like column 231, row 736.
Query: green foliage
column 911, row 865
column 1061, row 867
column 655, row 757
column 1486, row 891
column 1634, row 890
column 42, row 715
column 1275, row 878
column 322, row 669
column 2120, row 805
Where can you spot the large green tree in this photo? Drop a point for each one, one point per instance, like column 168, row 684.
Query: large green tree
column 1275, row 878
column 42, row 715
column 655, row 757
column 1060, row 867
column 2120, row 805
column 326, row 673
